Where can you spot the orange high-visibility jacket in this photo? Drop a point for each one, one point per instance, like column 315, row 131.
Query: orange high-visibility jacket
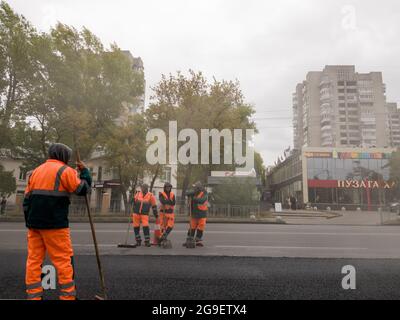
column 199, row 204
column 46, row 201
column 167, row 203
column 142, row 204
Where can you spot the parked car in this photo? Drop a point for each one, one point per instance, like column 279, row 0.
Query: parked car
column 395, row 207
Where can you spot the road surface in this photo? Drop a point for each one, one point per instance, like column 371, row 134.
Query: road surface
column 239, row 262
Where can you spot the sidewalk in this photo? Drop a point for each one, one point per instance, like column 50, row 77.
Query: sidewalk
column 355, row 218
column 307, row 214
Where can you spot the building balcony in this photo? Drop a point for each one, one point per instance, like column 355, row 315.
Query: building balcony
column 325, row 82
column 325, row 97
column 326, row 135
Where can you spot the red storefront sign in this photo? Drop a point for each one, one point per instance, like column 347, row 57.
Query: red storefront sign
column 322, row 183
column 351, row 184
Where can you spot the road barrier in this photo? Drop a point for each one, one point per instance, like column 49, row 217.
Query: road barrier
column 77, row 208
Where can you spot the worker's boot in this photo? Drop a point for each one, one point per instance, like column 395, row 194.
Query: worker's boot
column 199, row 236
column 199, row 243
column 146, row 231
column 166, row 244
column 190, row 243
column 137, row 236
column 162, row 239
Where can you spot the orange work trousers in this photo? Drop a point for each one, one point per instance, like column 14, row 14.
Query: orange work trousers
column 140, row 219
column 57, row 244
column 167, row 221
column 198, row 224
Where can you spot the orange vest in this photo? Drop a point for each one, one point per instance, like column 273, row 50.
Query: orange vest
column 204, row 206
column 142, row 204
column 167, row 208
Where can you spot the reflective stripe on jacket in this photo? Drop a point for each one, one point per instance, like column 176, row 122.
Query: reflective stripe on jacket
column 142, row 204
column 46, row 200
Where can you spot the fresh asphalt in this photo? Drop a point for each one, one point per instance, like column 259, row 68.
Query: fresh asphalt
column 239, row 261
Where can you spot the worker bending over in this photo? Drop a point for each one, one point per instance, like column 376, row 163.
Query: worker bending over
column 46, row 205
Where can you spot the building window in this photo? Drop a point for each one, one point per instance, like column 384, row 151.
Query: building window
column 115, row 174
column 100, row 174
column 22, row 174
column 166, row 175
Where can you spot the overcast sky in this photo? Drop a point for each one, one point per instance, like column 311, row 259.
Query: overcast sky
column 268, row 46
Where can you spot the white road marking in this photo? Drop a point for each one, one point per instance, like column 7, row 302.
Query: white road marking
column 246, row 247
column 92, row 245
column 241, row 232
column 289, row 248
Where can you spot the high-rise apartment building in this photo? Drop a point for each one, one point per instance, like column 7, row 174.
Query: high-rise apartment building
column 339, row 107
column 393, row 126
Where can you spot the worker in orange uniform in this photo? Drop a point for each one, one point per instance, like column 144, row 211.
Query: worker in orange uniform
column 142, row 202
column 46, row 205
column 167, row 214
column 198, row 198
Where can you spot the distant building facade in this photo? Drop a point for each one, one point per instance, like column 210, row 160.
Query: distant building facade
column 14, row 164
column 393, row 125
column 339, row 107
column 139, row 104
column 335, row 177
column 107, row 195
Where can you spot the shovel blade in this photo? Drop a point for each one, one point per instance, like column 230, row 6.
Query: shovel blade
column 128, row 246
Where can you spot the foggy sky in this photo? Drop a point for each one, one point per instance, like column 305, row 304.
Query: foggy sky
column 268, row 46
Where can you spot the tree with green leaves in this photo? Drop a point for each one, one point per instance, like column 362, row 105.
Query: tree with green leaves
column 16, row 68
column 125, row 150
column 236, row 191
column 62, row 86
column 195, row 103
column 8, row 184
column 91, row 85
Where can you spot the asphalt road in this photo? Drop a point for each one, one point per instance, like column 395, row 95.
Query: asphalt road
column 238, row 262
column 248, row 240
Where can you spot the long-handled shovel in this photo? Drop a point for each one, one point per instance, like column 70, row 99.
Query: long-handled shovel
column 126, row 244
column 96, row 248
